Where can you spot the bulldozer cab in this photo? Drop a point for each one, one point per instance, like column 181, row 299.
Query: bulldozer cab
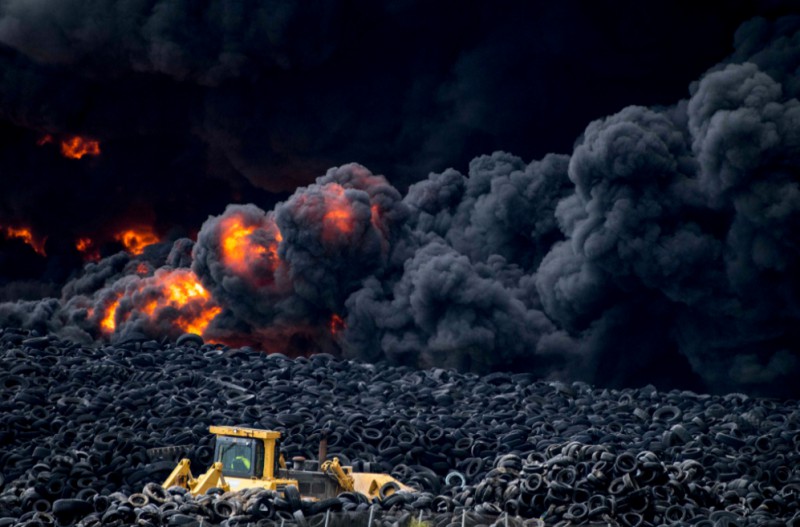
column 245, row 452
column 240, row 457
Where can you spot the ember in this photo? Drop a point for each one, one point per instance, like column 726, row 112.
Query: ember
column 336, row 325
column 86, row 247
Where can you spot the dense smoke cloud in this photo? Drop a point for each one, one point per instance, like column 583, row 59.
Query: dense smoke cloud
column 660, row 250
column 199, row 104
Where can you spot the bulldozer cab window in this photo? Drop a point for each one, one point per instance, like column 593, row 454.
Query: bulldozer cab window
column 240, row 457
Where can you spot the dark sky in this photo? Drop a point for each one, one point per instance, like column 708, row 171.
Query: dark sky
column 662, row 223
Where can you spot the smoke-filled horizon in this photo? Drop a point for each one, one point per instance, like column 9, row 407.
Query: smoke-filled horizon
column 659, row 249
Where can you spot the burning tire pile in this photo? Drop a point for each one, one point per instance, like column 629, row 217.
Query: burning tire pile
column 79, row 426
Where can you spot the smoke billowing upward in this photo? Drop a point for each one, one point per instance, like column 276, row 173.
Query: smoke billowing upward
column 661, row 248
column 152, row 115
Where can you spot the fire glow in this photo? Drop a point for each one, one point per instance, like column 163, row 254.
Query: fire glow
column 240, row 251
column 109, row 322
column 338, row 218
column 336, row 325
column 181, row 289
column 26, row 235
column 75, row 147
column 86, row 247
column 136, row 239
column 174, row 297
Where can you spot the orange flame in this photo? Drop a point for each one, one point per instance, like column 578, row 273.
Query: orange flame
column 136, row 239
column 86, row 247
column 180, row 288
column 237, row 249
column 76, row 147
column 336, row 324
column 142, row 269
column 46, row 138
column 240, row 250
column 109, row 322
column 83, row 244
column 25, row 234
column 175, row 296
column 198, row 324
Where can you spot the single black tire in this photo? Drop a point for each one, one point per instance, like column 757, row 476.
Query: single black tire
column 598, row 505
column 577, row 512
column 332, row 504
column 155, row 493
column 190, row 339
column 86, row 493
column 138, row 500
column 667, row 414
column 474, row 467
column 262, row 508
column 183, row 520
column 292, row 496
column 625, row 463
column 455, row 479
column 224, row 508
column 675, row 513
column 36, row 342
column 100, row 503
column 398, row 498
column 68, row 509
column 387, row 489
column 632, row 519
column 533, row 483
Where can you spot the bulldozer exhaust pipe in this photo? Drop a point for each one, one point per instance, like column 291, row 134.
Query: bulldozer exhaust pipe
column 323, row 448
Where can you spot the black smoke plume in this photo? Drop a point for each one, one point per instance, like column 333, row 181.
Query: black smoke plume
column 196, row 105
column 661, row 250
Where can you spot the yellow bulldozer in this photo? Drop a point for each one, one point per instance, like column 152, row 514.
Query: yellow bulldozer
column 250, row 458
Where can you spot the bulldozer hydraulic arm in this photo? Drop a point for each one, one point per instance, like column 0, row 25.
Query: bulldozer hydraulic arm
column 333, row 467
column 181, row 476
column 212, row 478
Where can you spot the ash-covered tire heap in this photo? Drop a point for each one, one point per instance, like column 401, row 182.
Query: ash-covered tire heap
column 82, row 431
